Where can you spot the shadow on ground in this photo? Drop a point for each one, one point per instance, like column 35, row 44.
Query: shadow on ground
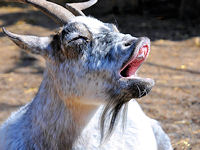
column 175, row 69
column 7, row 107
column 26, row 60
column 35, row 18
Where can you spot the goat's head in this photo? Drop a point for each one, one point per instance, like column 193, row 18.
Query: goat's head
column 89, row 59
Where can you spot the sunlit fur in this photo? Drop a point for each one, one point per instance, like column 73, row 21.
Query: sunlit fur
column 82, row 66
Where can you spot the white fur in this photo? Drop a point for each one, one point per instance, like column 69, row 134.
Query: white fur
column 138, row 134
column 55, row 106
column 92, row 23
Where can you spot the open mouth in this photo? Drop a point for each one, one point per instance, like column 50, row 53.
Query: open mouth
column 139, row 56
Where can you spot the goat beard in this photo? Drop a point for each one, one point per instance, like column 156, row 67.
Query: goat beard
column 117, row 106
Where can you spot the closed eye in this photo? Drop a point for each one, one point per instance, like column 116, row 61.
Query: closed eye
column 79, row 37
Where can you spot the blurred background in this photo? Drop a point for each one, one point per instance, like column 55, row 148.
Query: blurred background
column 174, row 61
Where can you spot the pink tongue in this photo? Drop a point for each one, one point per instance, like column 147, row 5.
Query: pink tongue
column 142, row 54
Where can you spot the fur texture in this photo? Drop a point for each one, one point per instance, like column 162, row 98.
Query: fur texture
column 82, row 73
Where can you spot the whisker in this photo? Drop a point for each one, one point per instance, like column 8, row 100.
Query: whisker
column 139, row 90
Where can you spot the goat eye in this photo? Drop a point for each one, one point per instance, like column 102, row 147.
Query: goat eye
column 79, row 38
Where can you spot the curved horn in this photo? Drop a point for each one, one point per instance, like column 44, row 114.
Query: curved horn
column 83, row 5
column 58, row 13
column 76, row 8
column 75, row 11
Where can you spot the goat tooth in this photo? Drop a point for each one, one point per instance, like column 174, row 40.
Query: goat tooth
column 141, row 55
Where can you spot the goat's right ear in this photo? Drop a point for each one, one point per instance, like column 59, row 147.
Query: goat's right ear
column 33, row 44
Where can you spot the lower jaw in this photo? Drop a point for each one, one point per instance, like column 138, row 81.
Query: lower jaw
column 134, row 85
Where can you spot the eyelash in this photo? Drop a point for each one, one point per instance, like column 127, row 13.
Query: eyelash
column 79, row 37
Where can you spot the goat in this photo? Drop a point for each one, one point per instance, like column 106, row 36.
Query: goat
column 85, row 100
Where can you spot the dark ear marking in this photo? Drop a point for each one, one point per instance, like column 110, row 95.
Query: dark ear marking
column 57, row 51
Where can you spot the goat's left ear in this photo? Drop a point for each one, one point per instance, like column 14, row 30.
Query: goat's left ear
column 33, row 44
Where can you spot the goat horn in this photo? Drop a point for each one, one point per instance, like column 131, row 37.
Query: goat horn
column 33, row 44
column 58, row 13
column 76, row 8
column 74, row 11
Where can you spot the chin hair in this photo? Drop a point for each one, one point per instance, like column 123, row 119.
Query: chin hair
column 114, row 111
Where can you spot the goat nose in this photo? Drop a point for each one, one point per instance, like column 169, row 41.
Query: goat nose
column 129, row 40
column 128, row 37
column 144, row 40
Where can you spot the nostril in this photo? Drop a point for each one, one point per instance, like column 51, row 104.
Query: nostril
column 128, row 44
column 129, row 40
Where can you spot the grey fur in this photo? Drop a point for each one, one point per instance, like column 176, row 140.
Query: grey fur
column 82, row 66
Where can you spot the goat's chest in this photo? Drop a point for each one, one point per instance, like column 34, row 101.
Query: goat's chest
column 137, row 135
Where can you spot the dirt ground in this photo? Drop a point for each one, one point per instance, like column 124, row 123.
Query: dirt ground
column 174, row 63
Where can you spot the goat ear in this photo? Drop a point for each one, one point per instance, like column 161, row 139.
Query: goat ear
column 33, row 44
